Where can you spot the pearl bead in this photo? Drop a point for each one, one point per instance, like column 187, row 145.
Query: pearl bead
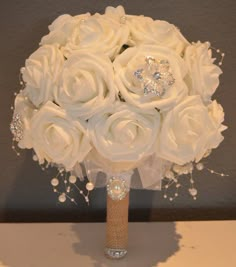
column 54, row 182
column 62, row 198
column 116, row 188
column 193, row 191
column 199, row 166
column 176, row 194
column 72, row 179
column 89, row 186
column 165, row 196
column 35, row 158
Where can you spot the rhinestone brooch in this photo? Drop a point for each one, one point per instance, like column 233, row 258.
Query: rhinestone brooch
column 117, row 188
column 155, row 77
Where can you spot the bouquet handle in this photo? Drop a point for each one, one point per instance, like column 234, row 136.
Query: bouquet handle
column 117, row 227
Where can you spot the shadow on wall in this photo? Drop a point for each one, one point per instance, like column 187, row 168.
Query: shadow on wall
column 161, row 237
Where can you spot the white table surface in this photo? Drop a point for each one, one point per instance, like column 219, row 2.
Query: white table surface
column 181, row 244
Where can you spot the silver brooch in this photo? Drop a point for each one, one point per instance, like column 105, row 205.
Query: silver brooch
column 16, row 127
column 155, row 77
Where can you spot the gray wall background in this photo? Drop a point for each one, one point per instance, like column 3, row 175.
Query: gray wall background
column 25, row 191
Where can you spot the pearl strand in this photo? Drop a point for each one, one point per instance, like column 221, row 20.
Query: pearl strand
column 217, row 50
column 70, row 182
column 177, row 170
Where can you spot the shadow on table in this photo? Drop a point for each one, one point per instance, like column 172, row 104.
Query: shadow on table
column 149, row 244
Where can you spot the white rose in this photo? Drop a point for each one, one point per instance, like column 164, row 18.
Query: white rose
column 25, row 109
column 41, row 73
column 117, row 13
column 101, row 33
column 145, row 30
column 62, row 29
column 124, row 133
column 189, row 130
column 216, row 112
column 58, row 138
column 203, row 76
column 131, row 89
column 86, row 84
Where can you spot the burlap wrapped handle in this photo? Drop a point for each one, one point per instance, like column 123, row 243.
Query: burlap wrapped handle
column 117, row 223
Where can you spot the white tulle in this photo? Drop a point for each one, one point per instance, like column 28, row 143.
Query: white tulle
column 149, row 174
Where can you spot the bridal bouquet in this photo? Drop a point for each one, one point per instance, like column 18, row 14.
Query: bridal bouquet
column 106, row 94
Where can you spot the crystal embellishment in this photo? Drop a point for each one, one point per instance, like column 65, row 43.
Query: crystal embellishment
column 117, row 188
column 139, row 74
column 113, row 253
column 155, row 77
column 16, row 127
